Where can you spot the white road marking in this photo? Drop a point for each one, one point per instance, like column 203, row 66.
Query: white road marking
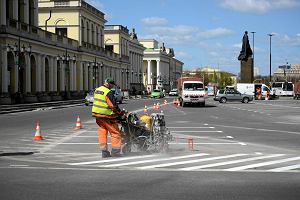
column 281, row 169
column 155, row 160
column 196, row 131
column 262, row 164
column 192, row 127
column 229, row 162
column 185, row 143
column 190, row 161
column 111, row 160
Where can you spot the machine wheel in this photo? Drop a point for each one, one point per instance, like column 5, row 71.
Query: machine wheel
column 223, row 100
column 126, row 149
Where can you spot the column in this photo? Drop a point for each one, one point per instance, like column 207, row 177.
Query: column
column 15, row 10
column 54, row 64
column 149, row 79
column 3, row 13
column 4, row 73
column 71, row 71
column 28, row 73
column 75, row 77
column 36, row 15
column 81, row 76
column 158, row 73
column 26, row 11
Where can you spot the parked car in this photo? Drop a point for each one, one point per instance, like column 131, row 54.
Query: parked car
column 173, row 92
column 232, row 95
column 157, row 94
column 89, row 99
column 118, row 95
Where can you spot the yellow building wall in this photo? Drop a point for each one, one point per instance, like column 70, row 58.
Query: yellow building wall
column 62, row 19
column 113, row 39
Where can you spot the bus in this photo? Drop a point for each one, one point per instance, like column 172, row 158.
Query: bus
column 283, row 88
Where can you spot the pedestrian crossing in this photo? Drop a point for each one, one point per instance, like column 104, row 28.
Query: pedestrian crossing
column 236, row 162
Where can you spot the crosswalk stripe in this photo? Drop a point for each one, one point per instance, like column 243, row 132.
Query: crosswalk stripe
column 229, row 162
column 154, row 160
column 190, row 161
column 262, row 164
column 111, row 160
column 281, row 169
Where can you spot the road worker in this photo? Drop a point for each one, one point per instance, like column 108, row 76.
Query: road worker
column 106, row 111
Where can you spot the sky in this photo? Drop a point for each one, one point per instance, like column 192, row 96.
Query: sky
column 209, row 32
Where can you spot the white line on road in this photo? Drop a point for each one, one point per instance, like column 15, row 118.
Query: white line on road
column 111, row 160
column 262, row 164
column 229, row 162
column 196, row 131
column 281, row 169
column 185, row 143
column 154, row 160
column 192, row 127
column 190, row 161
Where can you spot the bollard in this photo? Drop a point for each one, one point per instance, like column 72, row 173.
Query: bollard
column 191, row 144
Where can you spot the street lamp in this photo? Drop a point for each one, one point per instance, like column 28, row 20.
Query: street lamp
column 95, row 72
column 127, row 72
column 270, row 35
column 253, row 65
column 19, row 51
column 65, row 58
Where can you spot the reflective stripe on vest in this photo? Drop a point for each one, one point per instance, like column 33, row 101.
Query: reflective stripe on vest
column 100, row 106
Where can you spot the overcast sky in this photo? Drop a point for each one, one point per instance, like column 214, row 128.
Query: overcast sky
column 209, row 32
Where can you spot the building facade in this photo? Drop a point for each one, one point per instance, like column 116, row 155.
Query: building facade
column 161, row 68
column 287, row 72
column 118, row 40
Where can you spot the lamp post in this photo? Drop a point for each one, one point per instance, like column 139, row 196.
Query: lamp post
column 127, row 72
column 65, row 58
column 19, row 51
column 253, row 65
column 270, row 35
column 95, row 71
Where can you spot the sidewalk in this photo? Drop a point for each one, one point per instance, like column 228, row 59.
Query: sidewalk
column 4, row 109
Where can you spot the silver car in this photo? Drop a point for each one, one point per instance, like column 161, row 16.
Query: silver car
column 232, row 95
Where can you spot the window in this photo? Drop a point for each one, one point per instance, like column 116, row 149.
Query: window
column 109, row 48
column 61, row 31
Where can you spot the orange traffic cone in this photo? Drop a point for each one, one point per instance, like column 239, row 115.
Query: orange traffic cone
column 154, row 106
column 78, row 123
column 157, row 106
column 145, row 109
column 38, row 135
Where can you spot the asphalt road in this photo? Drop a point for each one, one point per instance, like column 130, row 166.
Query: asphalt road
column 239, row 151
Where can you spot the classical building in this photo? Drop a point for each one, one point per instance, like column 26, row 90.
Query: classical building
column 54, row 50
column 118, row 40
column 287, row 72
column 82, row 22
column 161, row 68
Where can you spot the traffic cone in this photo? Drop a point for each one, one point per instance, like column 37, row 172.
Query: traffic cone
column 157, row 106
column 154, row 106
column 165, row 103
column 145, row 109
column 38, row 135
column 78, row 123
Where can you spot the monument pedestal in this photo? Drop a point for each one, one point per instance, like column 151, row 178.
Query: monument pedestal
column 247, row 71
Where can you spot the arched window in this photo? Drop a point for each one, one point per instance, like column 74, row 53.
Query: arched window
column 9, row 9
column 93, row 33
column 21, row 6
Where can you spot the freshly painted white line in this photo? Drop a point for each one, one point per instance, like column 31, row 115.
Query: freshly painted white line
column 190, row 161
column 196, row 131
column 18, row 165
column 154, row 160
column 71, row 143
column 206, row 143
column 281, row 169
column 229, row 162
column 86, row 136
column 262, row 164
column 111, row 160
column 258, row 129
column 191, row 127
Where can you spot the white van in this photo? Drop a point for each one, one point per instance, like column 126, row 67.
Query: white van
column 250, row 88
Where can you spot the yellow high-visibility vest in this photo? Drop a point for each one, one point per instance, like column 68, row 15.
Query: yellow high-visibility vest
column 100, row 106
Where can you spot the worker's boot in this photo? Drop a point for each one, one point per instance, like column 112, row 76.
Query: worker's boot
column 105, row 154
column 116, row 153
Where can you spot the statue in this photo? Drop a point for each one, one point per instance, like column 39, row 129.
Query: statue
column 246, row 51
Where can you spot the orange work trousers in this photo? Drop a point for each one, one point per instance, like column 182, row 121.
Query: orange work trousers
column 108, row 125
